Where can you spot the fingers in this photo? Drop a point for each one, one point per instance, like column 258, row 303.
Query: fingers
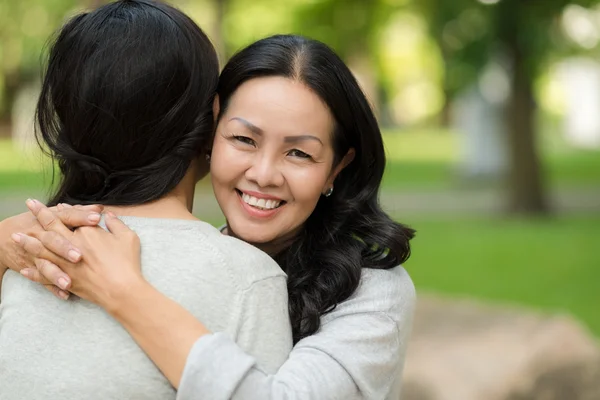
column 69, row 216
column 61, row 294
column 31, row 245
column 59, row 245
column 93, row 208
column 75, row 217
column 116, row 226
column 35, row 276
column 46, row 217
column 50, row 221
column 50, row 272
column 48, row 244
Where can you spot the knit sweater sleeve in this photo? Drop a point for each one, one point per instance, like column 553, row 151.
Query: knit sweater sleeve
column 357, row 354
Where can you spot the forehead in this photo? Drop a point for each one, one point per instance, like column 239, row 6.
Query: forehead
column 281, row 105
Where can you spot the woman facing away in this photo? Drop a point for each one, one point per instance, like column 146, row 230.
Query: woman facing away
column 125, row 108
column 296, row 165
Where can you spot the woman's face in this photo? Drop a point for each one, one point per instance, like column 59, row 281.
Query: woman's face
column 272, row 158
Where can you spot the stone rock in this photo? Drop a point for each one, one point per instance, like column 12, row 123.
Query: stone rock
column 466, row 350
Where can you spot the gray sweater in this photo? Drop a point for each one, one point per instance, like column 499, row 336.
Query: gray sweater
column 52, row 349
column 357, row 354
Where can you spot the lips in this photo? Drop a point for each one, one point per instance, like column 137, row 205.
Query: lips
column 259, row 205
column 266, row 204
column 260, row 201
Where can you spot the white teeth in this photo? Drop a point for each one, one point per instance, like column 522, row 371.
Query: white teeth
column 260, row 203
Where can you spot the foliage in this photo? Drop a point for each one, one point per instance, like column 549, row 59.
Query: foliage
column 469, row 32
column 24, row 29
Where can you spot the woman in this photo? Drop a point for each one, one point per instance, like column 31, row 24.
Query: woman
column 296, row 166
column 130, row 135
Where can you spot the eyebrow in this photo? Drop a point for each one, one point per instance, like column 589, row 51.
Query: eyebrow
column 288, row 139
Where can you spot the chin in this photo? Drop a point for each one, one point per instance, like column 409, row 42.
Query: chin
column 252, row 237
column 249, row 234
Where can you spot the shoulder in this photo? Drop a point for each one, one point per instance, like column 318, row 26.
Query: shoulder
column 389, row 292
column 248, row 264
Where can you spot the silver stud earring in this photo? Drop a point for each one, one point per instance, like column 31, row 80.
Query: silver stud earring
column 207, row 158
column 328, row 192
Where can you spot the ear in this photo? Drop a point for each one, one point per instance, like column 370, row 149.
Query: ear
column 216, row 108
column 348, row 158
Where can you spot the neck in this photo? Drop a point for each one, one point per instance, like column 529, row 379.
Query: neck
column 272, row 248
column 177, row 204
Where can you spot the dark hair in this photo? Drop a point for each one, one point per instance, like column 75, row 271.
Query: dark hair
column 126, row 102
column 347, row 231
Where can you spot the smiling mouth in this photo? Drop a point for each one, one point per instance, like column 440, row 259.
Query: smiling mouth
column 260, row 204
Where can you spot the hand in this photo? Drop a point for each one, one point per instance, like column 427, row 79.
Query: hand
column 110, row 263
column 16, row 258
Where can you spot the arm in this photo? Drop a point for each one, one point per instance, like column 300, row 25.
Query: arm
column 167, row 332
column 357, row 354
column 353, row 356
column 13, row 256
column 109, row 275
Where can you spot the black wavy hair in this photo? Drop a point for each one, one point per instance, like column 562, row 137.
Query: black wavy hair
column 347, row 231
column 126, row 102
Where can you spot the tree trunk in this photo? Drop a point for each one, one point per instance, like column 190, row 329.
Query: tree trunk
column 11, row 88
column 445, row 117
column 218, row 36
column 526, row 191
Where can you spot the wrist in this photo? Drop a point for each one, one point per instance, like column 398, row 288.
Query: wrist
column 128, row 298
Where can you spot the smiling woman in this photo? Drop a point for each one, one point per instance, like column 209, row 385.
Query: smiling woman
column 273, row 157
column 296, row 163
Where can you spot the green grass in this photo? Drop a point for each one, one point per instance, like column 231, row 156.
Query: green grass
column 552, row 264
column 428, row 159
column 22, row 169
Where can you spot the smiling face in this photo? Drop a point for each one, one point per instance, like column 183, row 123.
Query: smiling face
column 272, row 159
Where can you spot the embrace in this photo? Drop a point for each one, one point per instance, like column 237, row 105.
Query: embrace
column 113, row 289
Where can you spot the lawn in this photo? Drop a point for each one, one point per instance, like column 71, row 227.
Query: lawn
column 429, row 159
column 552, row 264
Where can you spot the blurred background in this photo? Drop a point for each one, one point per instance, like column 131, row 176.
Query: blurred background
column 491, row 116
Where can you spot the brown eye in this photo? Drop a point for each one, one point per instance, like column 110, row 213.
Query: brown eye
column 245, row 140
column 299, row 154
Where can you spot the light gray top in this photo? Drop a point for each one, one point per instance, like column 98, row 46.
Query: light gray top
column 52, row 349
column 357, row 354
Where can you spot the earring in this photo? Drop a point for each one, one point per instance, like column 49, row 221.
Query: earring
column 328, row 192
column 207, row 158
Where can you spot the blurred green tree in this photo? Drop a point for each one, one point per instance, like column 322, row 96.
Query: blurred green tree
column 24, row 29
column 527, row 32
column 353, row 28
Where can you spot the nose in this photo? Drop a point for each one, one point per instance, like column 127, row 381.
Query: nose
column 265, row 171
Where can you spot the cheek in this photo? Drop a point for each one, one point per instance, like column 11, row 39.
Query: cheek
column 225, row 167
column 306, row 187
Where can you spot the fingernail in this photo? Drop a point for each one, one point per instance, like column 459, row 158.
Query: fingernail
column 94, row 218
column 74, row 255
column 63, row 283
column 111, row 214
column 30, row 203
column 63, row 295
column 25, row 272
column 16, row 237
